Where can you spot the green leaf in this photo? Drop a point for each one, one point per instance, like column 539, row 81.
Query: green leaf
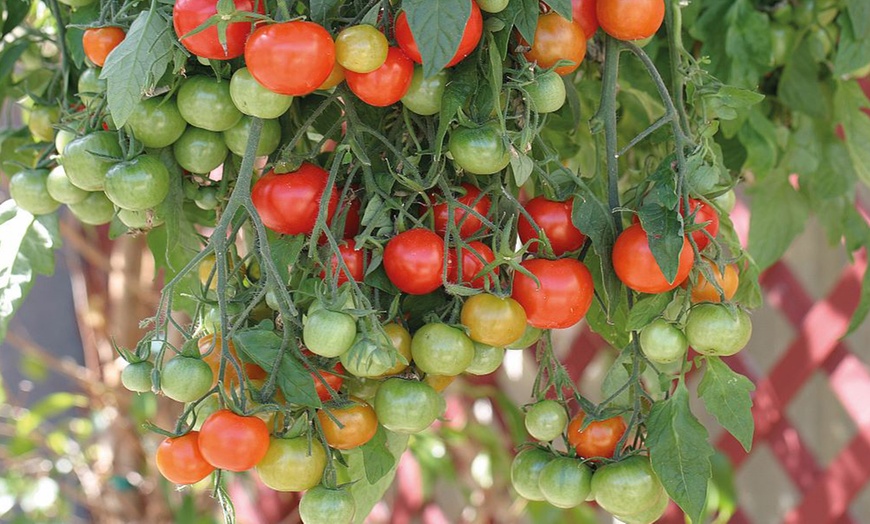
column 662, row 221
column 366, row 494
column 799, row 86
column 859, row 14
column 591, row 216
column 852, row 52
column 437, row 26
column 849, row 101
column 16, row 11
column 137, row 63
column 863, row 308
column 322, row 9
column 680, row 452
column 737, row 39
column 295, row 382
column 617, row 377
column 758, row 135
column 726, row 396
column 525, row 16
column 563, row 7
column 285, row 251
column 647, row 310
column 27, row 245
column 377, row 459
column 779, row 213
column 521, row 166
column 463, row 84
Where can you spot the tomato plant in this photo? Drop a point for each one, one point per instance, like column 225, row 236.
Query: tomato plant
column 441, row 350
column 554, row 221
column 348, row 427
column 565, row 482
column 290, row 58
column 321, row 505
column 234, row 442
column 289, row 203
column 493, row 320
column 467, row 216
column 407, row 406
column 180, row 460
column 637, row 267
column 628, row 487
column 470, row 36
column 386, row 84
column 188, row 15
column 361, row 48
column 292, row 464
column 526, row 471
column 137, row 184
column 715, row 329
column 598, row 439
column 546, row 420
column 471, row 263
column 559, row 298
column 557, row 38
column 185, row 379
column 479, row 150
column 630, row 19
column 413, row 261
column 98, row 42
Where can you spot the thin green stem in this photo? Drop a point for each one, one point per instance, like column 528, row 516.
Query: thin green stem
column 607, row 112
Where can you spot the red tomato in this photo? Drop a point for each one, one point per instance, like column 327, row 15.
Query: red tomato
column 468, row 223
column 354, row 259
column 554, row 220
column 636, row 266
column 557, row 38
column 335, row 380
column 180, row 461
column 352, row 218
column 706, row 213
column 584, row 14
column 98, row 42
column 291, row 58
column 385, row 85
column 470, row 37
column 471, row 265
column 187, row 15
column 630, row 19
column 598, row 439
column 413, row 261
column 233, row 442
column 563, row 297
column 289, row 203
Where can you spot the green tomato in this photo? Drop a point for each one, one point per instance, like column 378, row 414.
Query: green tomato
column 361, row 48
column 41, row 122
column 329, row 333
column 138, row 184
column 368, row 358
column 293, row 464
column 253, row 99
column 439, row 349
column 407, row 406
column 424, row 94
column 145, row 219
column 546, row 420
column 547, row 93
column 529, row 337
column 649, row 515
column 205, row 102
column 200, row 151
column 207, row 198
column 481, row 150
column 77, row 3
column 156, row 122
column 86, row 160
column 526, row 472
column 486, row 359
column 321, row 505
column 62, row 138
column 565, row 482
column 91, row 86
column 726, row 201
column 713, row 329
column 185, row 379
column 28, row 188
column 492, row 6
column 61, row 189
column 236, row 137
column 95, row 209
column 663, row 342
column 137, row 376
column 627, row 487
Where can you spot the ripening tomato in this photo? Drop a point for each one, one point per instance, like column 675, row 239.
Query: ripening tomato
column 98, row 42
column 598, row 439
column 353, row 258
column 554, row 220
column 716, row 329
column 210, row 349
column 563, row 296
column 180, row 460
column 414, row 260
column 585, row 15
column 334, row 379
column 470, row 37
column 233, row 442
column 481, row 150
column 292, row 464
column 387, row 84
column 493, row 320
column 290, row 58
column 557, row 38
column 471, row 264
column 705, row 213
column 289, row 203
column 630, row 19
column 704, row 291
column 348, row 427
column 361, row 48
column 187, row 15
column 466, row 221
column 636, row 266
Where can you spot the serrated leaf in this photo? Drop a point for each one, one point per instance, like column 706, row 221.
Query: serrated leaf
column 137, row 63
column 521, row 166
column 377, row 459
column 525, row 16
column 27, row 245
column 285, row 251
column 726, row 395
column 463, row 84
column 680, row 452
column 849, row 101
column 366, row 494
column 853, row 52
column 595, row 220
column 647, row 310
column 563, row 7
column 799, row 86
column 321, row 9
column 295, row 382
column 779, row 214
column 437, row 26
column 859, row 13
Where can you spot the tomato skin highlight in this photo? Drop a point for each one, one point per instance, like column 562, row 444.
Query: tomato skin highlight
column 554, row 220
column 470, row 37
column 563, row 297
column 289, row 203
column 413, row 261
column 180, row 460
column 387, row 84
column 358, row 425
column 630, row 19
column 187, row 15
column 637, row 268
column 98, row 42
column 233, row 442
column 290, row 58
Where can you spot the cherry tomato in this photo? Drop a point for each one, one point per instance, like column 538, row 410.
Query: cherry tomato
column 205, row 102
column 180, row 460
column 584, row 13
column 90, row 86
column 385, row 85
column 413, row 261
column 185, row 379
column 627, row 487
column 555, row 221
column 335, row 380
column 137, row 376
column 557, row 38
column 470, row 37
column 353, row 258
column 486, row 359
column 705, row 213
column 236, row 137
column 598, row 439
column 187, row 15
column 210, row 349
column 565, row 482
column 87, row 159
column 526, row 472
column 546, row 420
column 253, row 99
column 472, row 262
column 292, row 464
column 233, row 442
column 29, row 189
column 156, row 122
column 441, row 350
column 348, row 427
column 96, row 209
column 493, row 320
column 563, row 297
column 290, row 203
column 704, row 291
column 547, row 93
column 328, row 333
column 407, row 406
column 663, row 342
column 714, row 329
column 424, row 94
column 98, row 42
column 467, row 222
column 336, row 76
column 401, row 340
column 290, row 58
column 630, row 19
column 636, row 266
column 361, row 48
column 322, row 505
column 137, row 184
column 61, row 188
column 199, row 150
column 479, row 150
